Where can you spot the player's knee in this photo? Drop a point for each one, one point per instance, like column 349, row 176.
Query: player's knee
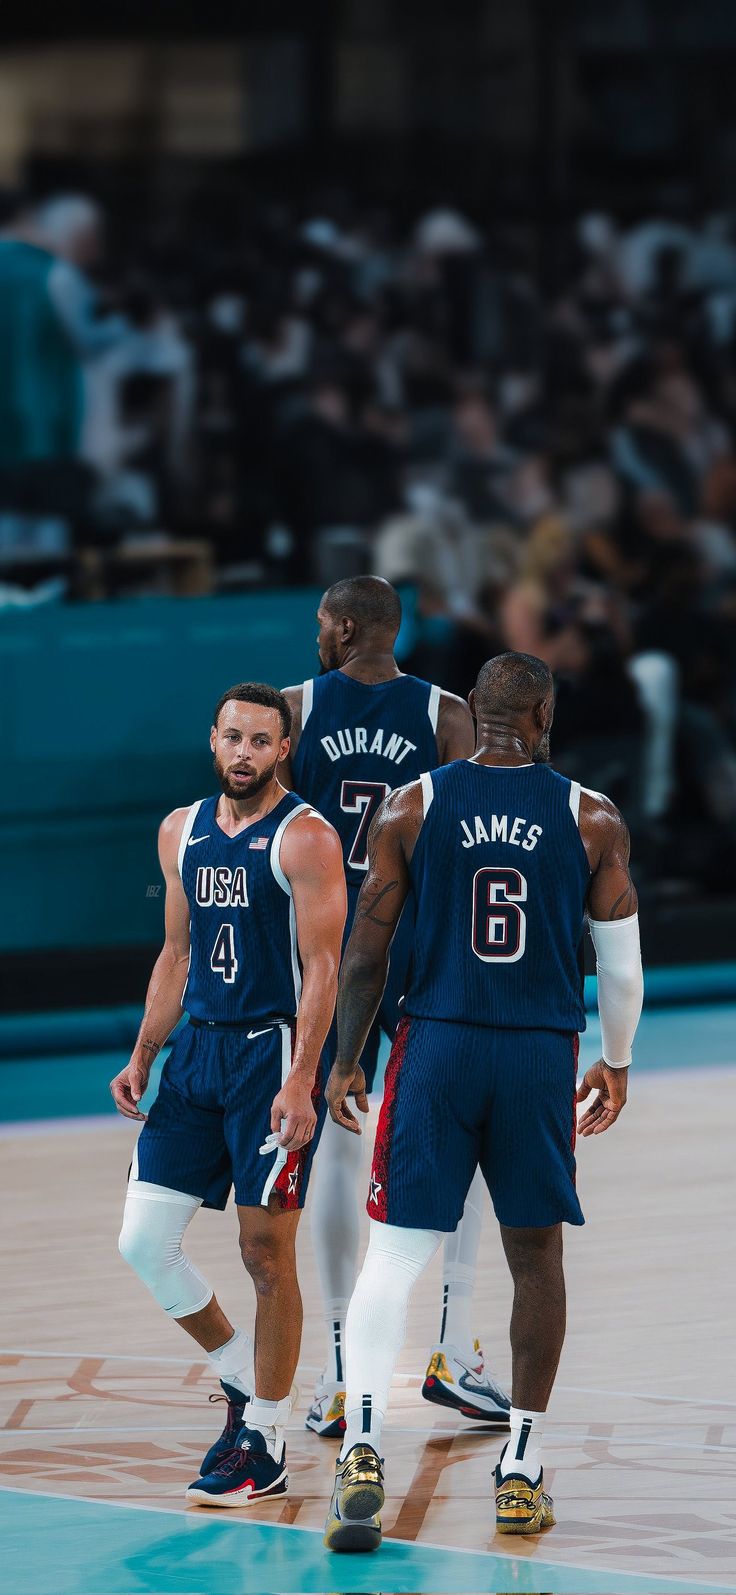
column 265, row 1261
column 141, row 1249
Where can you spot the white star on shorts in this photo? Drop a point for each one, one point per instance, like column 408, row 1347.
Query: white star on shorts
column 376, row 1186
column 293, row 1182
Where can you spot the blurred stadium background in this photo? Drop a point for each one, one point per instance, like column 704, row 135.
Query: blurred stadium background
column 294, row 291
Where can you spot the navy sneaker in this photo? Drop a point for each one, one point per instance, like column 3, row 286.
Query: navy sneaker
column 248, row 1473
column 229, row 1438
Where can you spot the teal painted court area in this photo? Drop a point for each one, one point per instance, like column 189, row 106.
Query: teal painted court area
column 74, row 1083
column 56, row 1546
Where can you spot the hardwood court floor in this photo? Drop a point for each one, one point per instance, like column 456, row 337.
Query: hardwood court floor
column 103, row 1398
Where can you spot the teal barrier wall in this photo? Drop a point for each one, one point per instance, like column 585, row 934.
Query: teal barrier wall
column 104, row 724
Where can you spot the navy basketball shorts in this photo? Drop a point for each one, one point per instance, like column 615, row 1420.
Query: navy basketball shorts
column 213, row 1112
column 389, row 1011
column 460, row 1095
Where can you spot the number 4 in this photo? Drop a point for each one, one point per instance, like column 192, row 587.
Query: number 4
column 223, row 961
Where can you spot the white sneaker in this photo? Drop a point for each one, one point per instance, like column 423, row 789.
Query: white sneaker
column 326, row 1415
column 453, row 1381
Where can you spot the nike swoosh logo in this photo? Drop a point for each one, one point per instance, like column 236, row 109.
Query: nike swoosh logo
column 253, row 1033
column 194, row 840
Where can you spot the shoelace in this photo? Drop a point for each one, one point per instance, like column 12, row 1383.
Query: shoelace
column 233, row 1460
column 359, row 1465
column 234, row 1420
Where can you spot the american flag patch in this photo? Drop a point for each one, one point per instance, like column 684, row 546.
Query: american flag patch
column 259, row 842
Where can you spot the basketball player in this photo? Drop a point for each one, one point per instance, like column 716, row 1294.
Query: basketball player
column 255, row 908
column 357, row 732
column 503, row 858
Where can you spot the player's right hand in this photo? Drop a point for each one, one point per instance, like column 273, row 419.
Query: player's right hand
column 339, row 1087
column 128, row 1087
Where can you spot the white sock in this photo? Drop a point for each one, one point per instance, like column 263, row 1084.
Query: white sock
column 460, row 1258
column 523, row 1454
column 376, row 1325
column 233, row 1362
column 335, row 1225
column 270, row 1419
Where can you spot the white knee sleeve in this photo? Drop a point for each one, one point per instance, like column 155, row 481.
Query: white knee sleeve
column 154, row 1222
column 376, row 1323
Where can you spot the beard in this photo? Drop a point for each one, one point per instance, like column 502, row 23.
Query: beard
column 541, row 754
column 255, row 785
column 329, row 657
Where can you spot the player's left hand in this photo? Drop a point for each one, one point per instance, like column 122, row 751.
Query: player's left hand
column 611, row 1085
column 339, row 1087
column 293, row 1117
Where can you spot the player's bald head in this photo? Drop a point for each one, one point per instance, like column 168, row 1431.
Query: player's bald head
column 369, row 601
column 510, row 685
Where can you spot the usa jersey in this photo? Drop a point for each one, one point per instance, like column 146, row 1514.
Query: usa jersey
column 244, row 962
column 357, row 743
column 499, row 876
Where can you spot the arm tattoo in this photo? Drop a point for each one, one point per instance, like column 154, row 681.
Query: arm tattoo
column 626, row 898
column 357, row 1004
column 152, row 1047
column 367, row 910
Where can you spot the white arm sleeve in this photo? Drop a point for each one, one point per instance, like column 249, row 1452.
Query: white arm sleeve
column 620, row 985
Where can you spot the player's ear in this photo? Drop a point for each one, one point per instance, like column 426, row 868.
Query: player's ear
column 213, row 738
column 471, row 702
column 284, row 749
column 348, row 628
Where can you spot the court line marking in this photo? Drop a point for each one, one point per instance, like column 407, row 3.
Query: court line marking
column 118, row 1356
column 614, row 1441
column 662, row 1580
column 188, row 1362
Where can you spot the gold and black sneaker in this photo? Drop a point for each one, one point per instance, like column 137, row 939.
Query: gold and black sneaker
column 353, row 1523
column 522, row 1507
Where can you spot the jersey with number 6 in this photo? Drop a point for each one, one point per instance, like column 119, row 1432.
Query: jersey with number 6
column 358, row 742
column 499, row 875
column 244, row 962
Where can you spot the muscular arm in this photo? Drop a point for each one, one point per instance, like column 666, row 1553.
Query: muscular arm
column 455, row 729
column 293, row 696
column 163, row 1008
column 311, row 858
column 391, row 842
column 614, row 927
column 611, row 894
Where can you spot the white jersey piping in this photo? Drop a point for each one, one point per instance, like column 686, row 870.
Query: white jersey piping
column 433, row 707
column 281, row 1154
column 307, row 701
column 187, row 831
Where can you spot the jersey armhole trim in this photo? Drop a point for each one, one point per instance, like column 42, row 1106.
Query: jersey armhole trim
column 186, row 833
column 433, row 707
column 427, row 792
column 574, row 801
column 307, row 700
column 301, row 808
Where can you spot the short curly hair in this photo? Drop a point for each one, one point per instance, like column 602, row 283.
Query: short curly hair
column 256, row 692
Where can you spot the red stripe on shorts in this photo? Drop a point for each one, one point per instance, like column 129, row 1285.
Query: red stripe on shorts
column 377, row 1204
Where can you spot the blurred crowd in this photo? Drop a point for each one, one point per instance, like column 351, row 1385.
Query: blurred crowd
column 302, row 393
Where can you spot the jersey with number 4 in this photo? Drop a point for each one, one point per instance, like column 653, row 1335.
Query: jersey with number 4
column 500, row 875
column 244, row 962
column 358, row 742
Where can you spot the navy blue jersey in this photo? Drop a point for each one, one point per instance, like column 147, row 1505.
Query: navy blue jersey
column 244, row 962
column 499, row 875
column 357, row 743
